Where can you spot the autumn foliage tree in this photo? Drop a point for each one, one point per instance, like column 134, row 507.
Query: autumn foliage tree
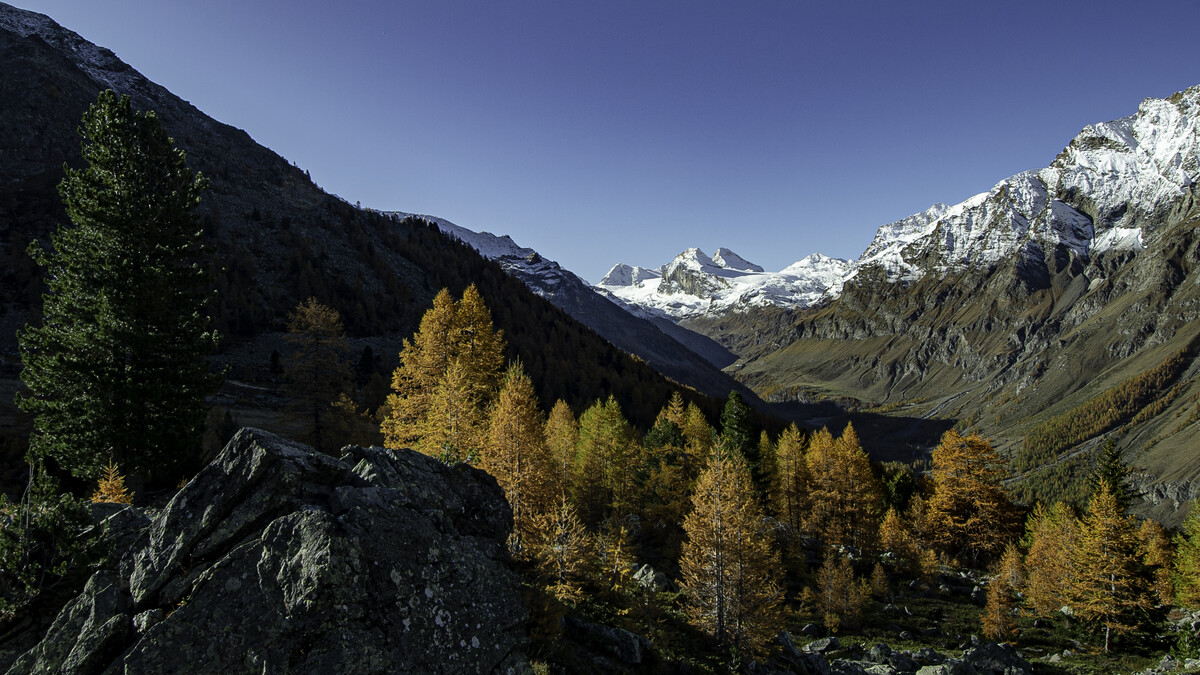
column 970, row 517
column 1106, row 586
column 515, row 454
column 845, row 497
column 447, row 377
column 1051, row 536
column 730, row 571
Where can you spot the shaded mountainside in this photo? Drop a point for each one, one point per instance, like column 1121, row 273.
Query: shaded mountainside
column 276, row 237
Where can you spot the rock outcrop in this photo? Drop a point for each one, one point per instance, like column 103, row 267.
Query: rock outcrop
column 276, row 558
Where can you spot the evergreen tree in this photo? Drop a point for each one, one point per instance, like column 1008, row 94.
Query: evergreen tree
column 1111, row 469
column 1106, row 587
column 608, row 461
column 970, row 516
column 737, row 428
column 730, row 572
column 317, row 371
column 117, row 370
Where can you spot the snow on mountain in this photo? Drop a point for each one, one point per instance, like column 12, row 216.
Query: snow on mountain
column 694, row 284
column 1105, row 192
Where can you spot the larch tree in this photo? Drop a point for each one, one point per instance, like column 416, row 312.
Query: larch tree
column 840, row 598
column 731, row 574
column 846, row 496
column 1106, row 586
column 970, row 517
column 1051, row 536
column 515, row 454
column 609, row 458
column 1157, row 558
column 118, row 370
column 427, row 411
column 792, row 481
column 1186, row 566
column 562, row 437
column 318, row 371
column 562, row 549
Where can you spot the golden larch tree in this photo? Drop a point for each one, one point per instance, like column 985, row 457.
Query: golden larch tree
column 1186, row 566
column 562, row 437
column 731, row 574
column 792, row 482
column 515, row 454
column 846, row 497
column 840, row 598
column 1106, row 588
column 1157, row 556
column 1051, row 535
column 970, row 517
column 607, row 462
column 455, row 341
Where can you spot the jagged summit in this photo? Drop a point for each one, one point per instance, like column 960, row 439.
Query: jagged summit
column 1106, row 191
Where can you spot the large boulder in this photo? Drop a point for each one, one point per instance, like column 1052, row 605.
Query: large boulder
column 276, row 558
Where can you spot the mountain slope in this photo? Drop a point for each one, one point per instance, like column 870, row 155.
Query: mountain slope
column 276, row 237
column 1021, row 304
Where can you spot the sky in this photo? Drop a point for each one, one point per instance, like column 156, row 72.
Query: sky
column 610, row 131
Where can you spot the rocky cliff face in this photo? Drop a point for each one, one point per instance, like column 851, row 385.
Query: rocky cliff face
column 275, row 558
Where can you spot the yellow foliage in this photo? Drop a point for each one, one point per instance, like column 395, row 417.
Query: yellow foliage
column 111, row 488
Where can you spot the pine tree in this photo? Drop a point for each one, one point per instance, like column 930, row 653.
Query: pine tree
column 970, row 516
column 1111, row 469
column 1106, row 587
column 730, row 572
column 317, row 372
column 737, row 428
column 117, row 372
column 515, row 454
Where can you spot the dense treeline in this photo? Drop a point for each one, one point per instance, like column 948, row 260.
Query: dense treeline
column 1100, row 413
column 758, row 528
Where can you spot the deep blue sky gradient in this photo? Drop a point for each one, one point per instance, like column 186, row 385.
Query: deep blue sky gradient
column 599, row 131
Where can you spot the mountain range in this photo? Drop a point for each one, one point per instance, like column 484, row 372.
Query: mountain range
column 1031, row 303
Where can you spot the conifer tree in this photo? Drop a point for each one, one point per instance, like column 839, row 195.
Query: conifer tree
column 117, row 372
column 515, row 454
column 1186, row 567
column 970, row 516
column 1051, row 536
column 840, row 598
column 1157, row 558
column 562, row 435
column 997, row 618
column 737, row 428
column 317, row 372
column 1111, row 468
column 447, row 377
column 1106, row 587
column 562, row 549
column 730, row 572
column 609, row 459
column 698, row 436
column 792, row 480
column 896, row 538
column 846, row 497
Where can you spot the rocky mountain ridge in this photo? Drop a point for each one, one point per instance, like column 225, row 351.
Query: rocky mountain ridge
column 1108, row 189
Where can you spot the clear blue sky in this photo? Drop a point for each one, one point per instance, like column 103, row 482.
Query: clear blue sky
column 606, row 131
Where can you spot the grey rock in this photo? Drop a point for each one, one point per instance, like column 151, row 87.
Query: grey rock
column 628, row 648
column 848, row 667
column 801, row 662
column 927, row 656
column 810, row 630
column 650, row 579
column 822, row 645
column 878, row 653
column 949, row 667
column 276, row 558
column 997, row 659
